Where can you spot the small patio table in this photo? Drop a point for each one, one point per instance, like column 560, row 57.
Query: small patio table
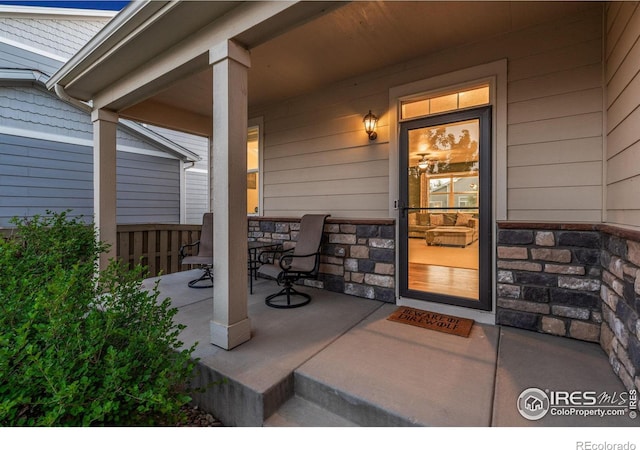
column 255, row 247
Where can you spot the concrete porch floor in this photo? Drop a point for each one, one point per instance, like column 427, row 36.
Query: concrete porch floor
column 339, row 362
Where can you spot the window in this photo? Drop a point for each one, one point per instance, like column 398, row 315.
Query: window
column 468, row 98
column 253, row 170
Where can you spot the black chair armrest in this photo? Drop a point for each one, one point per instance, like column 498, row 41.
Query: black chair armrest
column 269, row 256
column 183, row 247
column 286, row 260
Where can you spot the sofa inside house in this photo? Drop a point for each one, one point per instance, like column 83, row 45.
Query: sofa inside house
column 452, row 229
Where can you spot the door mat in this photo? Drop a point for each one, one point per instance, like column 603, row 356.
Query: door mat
column 432, row 321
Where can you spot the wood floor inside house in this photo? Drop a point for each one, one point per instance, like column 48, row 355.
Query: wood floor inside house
column 444, row 270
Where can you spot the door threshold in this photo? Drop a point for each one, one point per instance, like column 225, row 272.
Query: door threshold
column 486, row 317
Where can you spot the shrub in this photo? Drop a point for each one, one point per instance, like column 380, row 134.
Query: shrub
column 78, row 349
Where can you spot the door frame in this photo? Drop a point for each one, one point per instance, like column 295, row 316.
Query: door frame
column 483, row 115
column 495, row 73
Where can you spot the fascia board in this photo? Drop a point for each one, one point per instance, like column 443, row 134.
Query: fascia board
column 119, row 30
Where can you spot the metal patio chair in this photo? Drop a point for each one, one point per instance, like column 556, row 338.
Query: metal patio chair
column 204, row 253
column 301, row 262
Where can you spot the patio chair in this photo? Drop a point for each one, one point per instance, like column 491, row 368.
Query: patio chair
column 204, row 253
column 301, row 262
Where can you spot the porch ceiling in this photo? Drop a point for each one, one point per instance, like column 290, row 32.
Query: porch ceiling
column 350, row 39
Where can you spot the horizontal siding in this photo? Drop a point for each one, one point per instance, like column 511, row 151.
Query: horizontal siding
column 555, row 123
column 623, row 114
column 38, row 175
column 556, row 215
column 197, row 199
column 624, row 165
column 557, row 198
column 556, row 175
column 196, row 183
column 148, row 189
column 317, row 157
column 556, row 152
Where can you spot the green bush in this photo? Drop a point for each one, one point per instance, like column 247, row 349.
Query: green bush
column 78, row 349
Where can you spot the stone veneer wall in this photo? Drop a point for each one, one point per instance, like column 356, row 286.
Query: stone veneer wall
column 357, row 255
column 575, row 280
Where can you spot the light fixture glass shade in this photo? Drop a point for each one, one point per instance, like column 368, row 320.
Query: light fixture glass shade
column 370, row 121
column 423, row 164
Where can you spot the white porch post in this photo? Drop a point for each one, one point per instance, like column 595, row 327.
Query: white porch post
column 230, row 326
column 104, row 179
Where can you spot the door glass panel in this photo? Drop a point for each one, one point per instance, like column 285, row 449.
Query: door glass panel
column 443, row 215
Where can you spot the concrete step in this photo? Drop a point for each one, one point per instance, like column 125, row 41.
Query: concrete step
column 353, row 409
column 298, row 412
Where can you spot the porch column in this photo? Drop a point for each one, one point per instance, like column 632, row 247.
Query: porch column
column 230, row 326
column 104, row 180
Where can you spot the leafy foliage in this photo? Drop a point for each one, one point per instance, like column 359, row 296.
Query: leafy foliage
column 78, row 349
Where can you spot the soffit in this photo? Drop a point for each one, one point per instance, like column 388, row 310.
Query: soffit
column 359, row 37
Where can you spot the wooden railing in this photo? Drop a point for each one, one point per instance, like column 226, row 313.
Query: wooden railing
column 155, row 245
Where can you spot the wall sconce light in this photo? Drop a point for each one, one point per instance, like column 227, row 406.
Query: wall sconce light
column 370, row 121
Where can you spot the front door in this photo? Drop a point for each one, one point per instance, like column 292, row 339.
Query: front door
column 445, row 203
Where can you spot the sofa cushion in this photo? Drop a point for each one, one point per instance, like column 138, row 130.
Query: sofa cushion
column 437, row 220
column 462, row 219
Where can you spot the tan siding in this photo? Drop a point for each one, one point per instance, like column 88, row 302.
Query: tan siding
column 374, row 185
column 557, row 198
column 625, row 104
column 338, row 205
column 616, row 33
column 556, row 175
column 319, row 159
column 557, row 83
column 378, row 168
column 563, row 58
column 624, row 217
column 556, row 215
column 618, row 76
column 624, row 165
column 556, row 152
column 572, row 127
column 623, row 114
column 624, row 195
column 624, row 135
column 563, row 105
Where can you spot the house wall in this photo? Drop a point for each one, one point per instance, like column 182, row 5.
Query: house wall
column 196, row 176
column 46, row 162
column 55, row 35
column 622, row 77
column 317, row 157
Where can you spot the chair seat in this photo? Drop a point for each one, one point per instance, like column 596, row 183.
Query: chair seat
column 270, row 270
column 204, row 260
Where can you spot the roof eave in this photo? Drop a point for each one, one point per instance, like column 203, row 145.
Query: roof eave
column 124, row 23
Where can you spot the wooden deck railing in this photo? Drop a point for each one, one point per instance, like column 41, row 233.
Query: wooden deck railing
column 155, row 245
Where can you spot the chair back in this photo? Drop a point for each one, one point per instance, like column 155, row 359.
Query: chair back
column 309, row 240
column 206, row 236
